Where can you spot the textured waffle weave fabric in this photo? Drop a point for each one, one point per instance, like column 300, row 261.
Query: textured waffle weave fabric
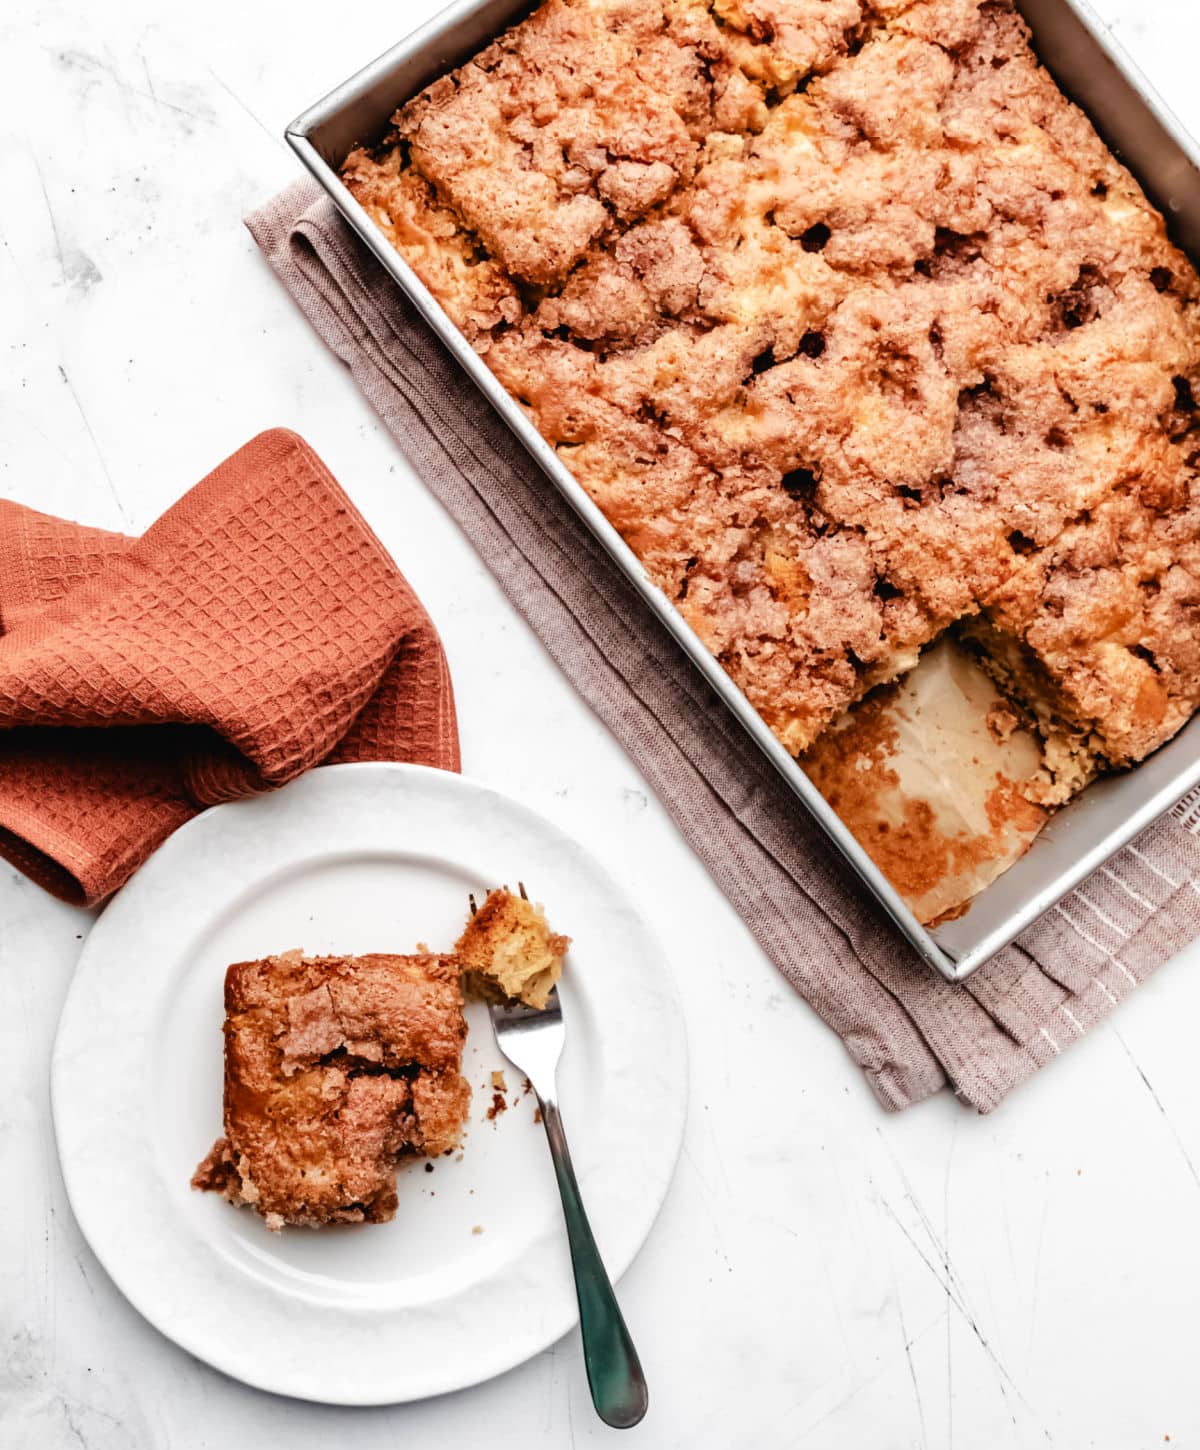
column 911, row 1031
column 257, row 629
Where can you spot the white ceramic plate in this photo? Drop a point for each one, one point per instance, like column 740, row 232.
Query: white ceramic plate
column 356, row 858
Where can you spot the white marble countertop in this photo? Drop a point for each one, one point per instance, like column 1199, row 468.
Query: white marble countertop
column 822, row 1274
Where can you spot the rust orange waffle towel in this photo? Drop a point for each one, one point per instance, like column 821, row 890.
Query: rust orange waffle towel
column 257, row 629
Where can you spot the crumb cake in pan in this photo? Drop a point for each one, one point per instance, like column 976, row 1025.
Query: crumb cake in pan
column 855, row 330
column 335, row 1067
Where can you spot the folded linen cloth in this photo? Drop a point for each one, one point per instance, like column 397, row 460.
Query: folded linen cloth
column 258, row 628
column 909, row 1029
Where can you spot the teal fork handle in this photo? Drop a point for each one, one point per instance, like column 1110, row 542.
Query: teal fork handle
column 614, row 1371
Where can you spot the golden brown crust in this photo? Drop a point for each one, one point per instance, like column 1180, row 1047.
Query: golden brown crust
column 586, row 113
column 334, row 1067
column 851, row 325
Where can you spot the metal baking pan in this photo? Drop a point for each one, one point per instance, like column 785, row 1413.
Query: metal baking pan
column 1092, row 69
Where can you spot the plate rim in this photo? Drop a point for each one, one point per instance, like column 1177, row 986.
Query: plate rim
column 132, row 1288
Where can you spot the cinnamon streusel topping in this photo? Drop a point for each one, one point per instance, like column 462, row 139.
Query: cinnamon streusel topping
column 851, row 325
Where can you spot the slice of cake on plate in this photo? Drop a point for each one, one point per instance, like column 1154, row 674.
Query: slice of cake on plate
column 335, row 1068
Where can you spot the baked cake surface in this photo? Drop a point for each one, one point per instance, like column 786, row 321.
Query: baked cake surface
column 852, row 326
column 335, row 1067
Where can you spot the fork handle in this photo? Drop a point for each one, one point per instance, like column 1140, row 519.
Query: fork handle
column 614, row 1371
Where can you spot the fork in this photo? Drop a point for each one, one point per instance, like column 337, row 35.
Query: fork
column 532, row 1041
